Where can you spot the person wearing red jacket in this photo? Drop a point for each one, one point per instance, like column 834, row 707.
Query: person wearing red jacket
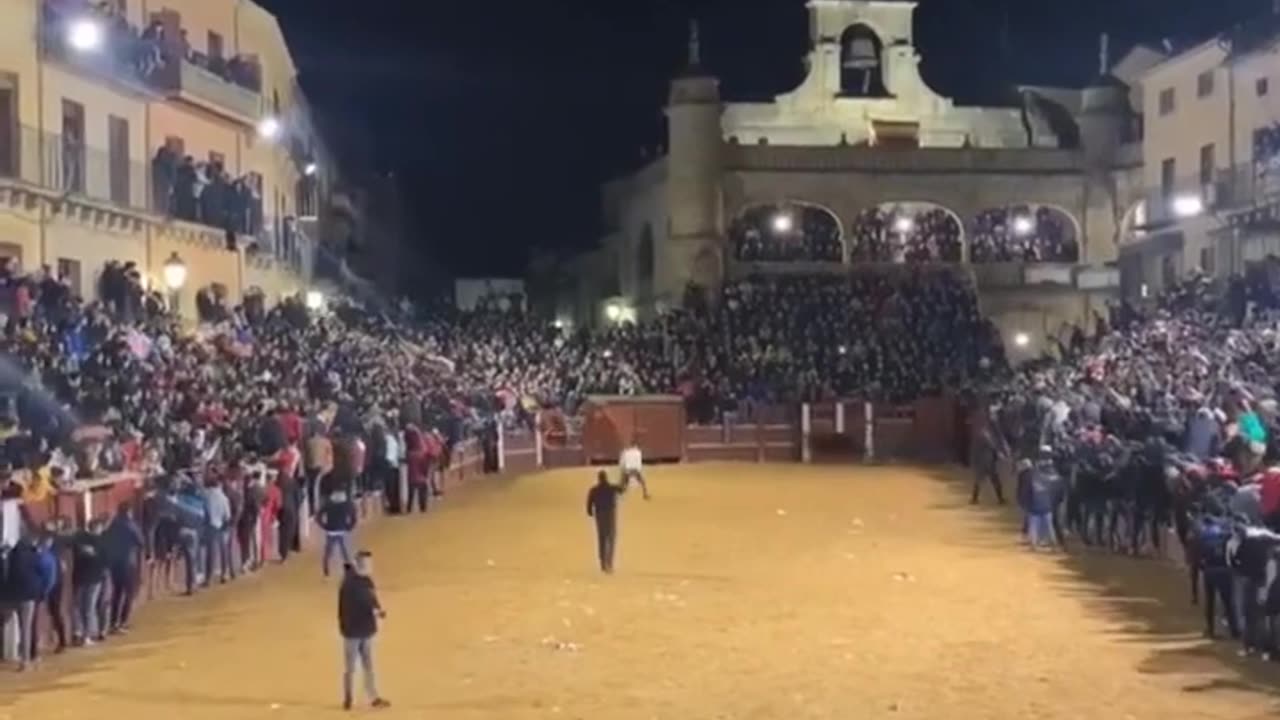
column 418, row 462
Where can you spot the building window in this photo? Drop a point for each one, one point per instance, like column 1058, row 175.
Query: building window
column 1207, row 164
column 9, row 129
column 69, row 270
column 1168, row 171
column 72, row 147
column 118, row 159
column 215, row 45
column 1206, row 260
column 1204, row 84
column 1168, row 101
column 1262, row 86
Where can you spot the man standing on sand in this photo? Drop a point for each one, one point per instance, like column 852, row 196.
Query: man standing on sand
column 358, row 615
column 631, row 465
column 602, row 506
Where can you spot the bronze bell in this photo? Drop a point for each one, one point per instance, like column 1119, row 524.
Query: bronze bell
column 861, row 54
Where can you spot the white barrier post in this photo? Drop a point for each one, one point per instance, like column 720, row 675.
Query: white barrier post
column 869, row 430
column 502, row 448
column 537, row 438
column 840, row 418
column 86, row 506
column 806, row 454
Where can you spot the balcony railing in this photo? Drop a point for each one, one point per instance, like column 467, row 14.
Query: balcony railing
column 153, row 62
column 123, row 57
column 64, row 164
column 189, row 81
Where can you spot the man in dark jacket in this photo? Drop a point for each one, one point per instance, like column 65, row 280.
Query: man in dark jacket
column 122, row 542
column 358, row 615
column 88, row 573
column 602, row 506
column 337, row 517
column 23, row 588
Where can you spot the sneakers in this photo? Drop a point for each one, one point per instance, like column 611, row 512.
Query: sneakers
column 381, row 703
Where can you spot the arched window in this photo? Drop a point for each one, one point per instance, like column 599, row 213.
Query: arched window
column 1024, row 233
column 786, row 232
column 906, row 232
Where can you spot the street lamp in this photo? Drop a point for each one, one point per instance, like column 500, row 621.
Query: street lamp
column 314, row 300
column 175, row 276
column 310, row 169
column 175, row 273
column 1185, row 206
column 613, row 311
column 903, row 224
column 84, row 35
column 269, row 128
column 1021, row 339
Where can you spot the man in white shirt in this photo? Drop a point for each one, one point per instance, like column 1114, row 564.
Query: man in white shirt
column 218, row 538
column 631, row 463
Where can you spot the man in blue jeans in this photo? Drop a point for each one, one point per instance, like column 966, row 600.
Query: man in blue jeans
column 358, row 615
column 337, row 517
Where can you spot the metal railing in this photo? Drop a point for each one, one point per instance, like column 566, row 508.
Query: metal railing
column 209, row 89
column 64, row 164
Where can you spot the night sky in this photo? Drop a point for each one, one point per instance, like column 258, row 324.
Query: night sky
column 499, row 118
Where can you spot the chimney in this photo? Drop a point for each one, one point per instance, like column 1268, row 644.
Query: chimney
column 1104, row 53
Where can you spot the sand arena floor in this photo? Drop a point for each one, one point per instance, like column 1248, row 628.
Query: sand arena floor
column 742, row 592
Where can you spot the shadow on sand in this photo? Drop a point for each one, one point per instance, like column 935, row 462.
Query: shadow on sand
column 1145, row 598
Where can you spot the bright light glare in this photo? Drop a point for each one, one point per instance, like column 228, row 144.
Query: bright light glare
column 84, row 34
column 311, row 169
column 1022, row 339
column 314, row 299
column 903, row 224
column 175, row 273
column 1187, row 205
column 268, row 128
column 613, row 311
column 1023, row 225
column 782, row 222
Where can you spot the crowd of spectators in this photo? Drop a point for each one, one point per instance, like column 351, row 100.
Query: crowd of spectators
column 903, row 236
column 1167, row 416
column 1022, row 234
column 231, row 426
column 786, row 234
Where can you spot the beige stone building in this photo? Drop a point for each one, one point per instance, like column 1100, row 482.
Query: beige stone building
column 1212, row 160
column 864, row 137
column 89, row 95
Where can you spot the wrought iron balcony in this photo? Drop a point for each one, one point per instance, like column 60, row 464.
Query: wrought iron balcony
column 185, row 80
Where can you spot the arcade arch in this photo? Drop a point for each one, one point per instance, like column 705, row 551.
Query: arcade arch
column 787, row 231
column 907, row 232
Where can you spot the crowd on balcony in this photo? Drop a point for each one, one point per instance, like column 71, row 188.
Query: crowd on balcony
column 205, row 192
column 786, row 234
column 899, row 235
column 136, row 52
column 133, row 52
column 1023, row 234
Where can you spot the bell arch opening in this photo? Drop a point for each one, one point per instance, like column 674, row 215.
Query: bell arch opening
column 793, row 231
column 861, row 63
column 1025, row 232
column 909, row 231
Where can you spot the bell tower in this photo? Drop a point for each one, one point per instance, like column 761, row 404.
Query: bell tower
column 692, row 253
column 862, row 48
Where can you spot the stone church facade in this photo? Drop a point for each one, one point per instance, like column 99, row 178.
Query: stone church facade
column 863, row 136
